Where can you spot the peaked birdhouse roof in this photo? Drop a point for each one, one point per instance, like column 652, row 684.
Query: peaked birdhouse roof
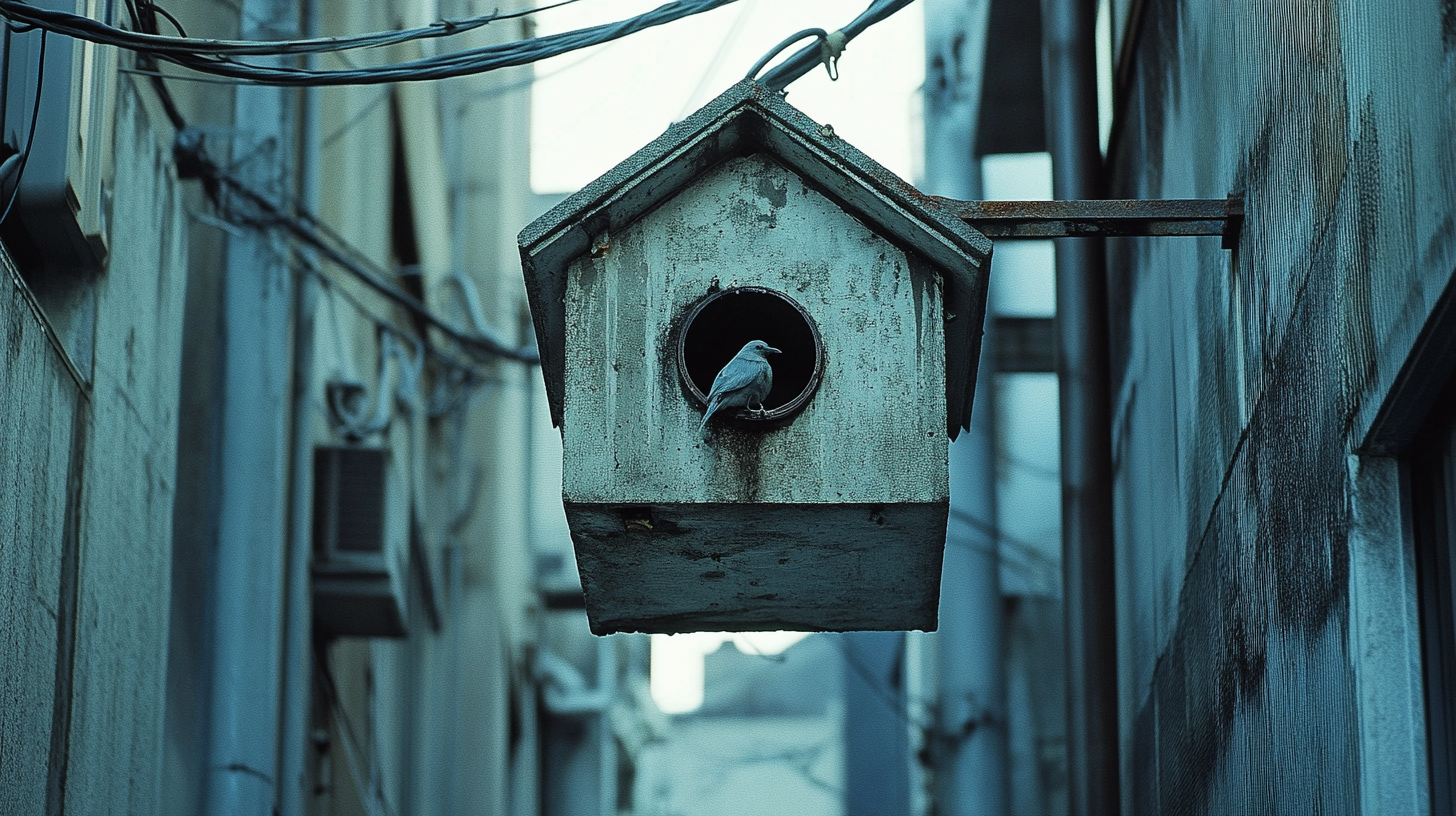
column 750, row 119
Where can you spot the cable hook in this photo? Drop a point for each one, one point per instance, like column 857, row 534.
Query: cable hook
column 830, row 47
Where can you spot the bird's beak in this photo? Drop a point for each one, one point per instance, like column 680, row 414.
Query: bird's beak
column 771, row 350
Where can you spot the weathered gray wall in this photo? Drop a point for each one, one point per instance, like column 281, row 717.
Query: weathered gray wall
column 125, row 559
column 39, row 402
column 835, row 521
column 1243, row 381
column 85, row 708
column 873, row 430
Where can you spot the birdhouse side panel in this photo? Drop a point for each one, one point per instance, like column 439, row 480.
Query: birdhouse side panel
column 874, row 431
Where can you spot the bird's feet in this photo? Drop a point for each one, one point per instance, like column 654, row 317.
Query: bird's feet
column 759, row 413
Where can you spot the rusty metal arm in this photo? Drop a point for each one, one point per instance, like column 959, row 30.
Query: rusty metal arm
column 1110, row 217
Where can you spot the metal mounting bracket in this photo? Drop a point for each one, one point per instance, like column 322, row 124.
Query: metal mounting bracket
column 1104, row 218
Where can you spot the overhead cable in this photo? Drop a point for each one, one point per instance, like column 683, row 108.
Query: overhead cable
column 807, row 57
column 192, row 157
column 218, row 57
column 86, row 28
column 821, row 34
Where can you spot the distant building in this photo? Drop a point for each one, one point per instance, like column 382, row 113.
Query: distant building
column 768, row 738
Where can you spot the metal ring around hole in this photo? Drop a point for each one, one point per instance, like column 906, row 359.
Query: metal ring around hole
column 774, row 416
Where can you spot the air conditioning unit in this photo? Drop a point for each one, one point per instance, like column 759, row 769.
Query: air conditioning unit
column 64, row 200
column 361, row 528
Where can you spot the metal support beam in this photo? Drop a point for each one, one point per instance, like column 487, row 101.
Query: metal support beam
column 1102, row 218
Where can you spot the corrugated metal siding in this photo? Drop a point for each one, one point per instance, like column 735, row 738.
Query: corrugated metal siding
column 1243, row 380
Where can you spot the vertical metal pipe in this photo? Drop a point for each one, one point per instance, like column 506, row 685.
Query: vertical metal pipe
column 295, row 732
column 973, row 772
column 252, row 518
column 971, row 758
column 876, row 741
column 1069, row 68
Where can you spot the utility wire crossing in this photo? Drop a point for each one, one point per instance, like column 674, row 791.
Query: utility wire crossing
column 221, row 57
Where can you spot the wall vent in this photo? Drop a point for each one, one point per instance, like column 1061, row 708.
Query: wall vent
column 360, row 542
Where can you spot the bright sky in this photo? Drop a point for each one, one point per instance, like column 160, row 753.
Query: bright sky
column 591, row 109
column 677, row 662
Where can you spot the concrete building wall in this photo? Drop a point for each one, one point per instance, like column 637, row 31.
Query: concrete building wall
column 484, row 451
column 122, row 598
column 44, row 408
column 114, row 399
column 1243, row 379
column 88, row 511
column 114, row 403
column 433, row 175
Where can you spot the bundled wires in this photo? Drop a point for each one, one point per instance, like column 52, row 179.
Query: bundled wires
column 193, row 161
column 86, row 28
column 222, row 57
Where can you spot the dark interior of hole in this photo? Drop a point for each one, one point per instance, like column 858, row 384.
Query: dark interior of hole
column 722, row 328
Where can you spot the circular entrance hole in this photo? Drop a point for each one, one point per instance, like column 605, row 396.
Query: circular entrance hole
column 718, row 327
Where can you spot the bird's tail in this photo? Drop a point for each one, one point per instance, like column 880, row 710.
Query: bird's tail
column 712, row 407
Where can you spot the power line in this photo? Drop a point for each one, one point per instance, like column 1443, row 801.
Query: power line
column 330, row 245
column 806, row 58
column 309, row 230
column 218, row 57
column 86, row 28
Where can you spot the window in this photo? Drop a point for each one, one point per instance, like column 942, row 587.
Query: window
column 1432, row 490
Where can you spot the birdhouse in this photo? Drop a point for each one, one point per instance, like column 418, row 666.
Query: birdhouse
column 822, row 507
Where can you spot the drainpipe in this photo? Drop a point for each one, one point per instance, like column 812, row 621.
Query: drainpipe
column 252, row 519
column 564, row 689
column 566, row 693
column 969, row 742
column 297, row 722
column 1069, row 68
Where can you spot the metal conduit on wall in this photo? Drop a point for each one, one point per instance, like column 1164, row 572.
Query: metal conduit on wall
column 297, row 706
column 971, row 770
column 1069, row 71
column 252, row 519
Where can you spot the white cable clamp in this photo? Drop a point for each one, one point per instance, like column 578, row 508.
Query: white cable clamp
column 829, row 50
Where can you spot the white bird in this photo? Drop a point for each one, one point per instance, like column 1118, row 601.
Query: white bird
column 744, row 382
